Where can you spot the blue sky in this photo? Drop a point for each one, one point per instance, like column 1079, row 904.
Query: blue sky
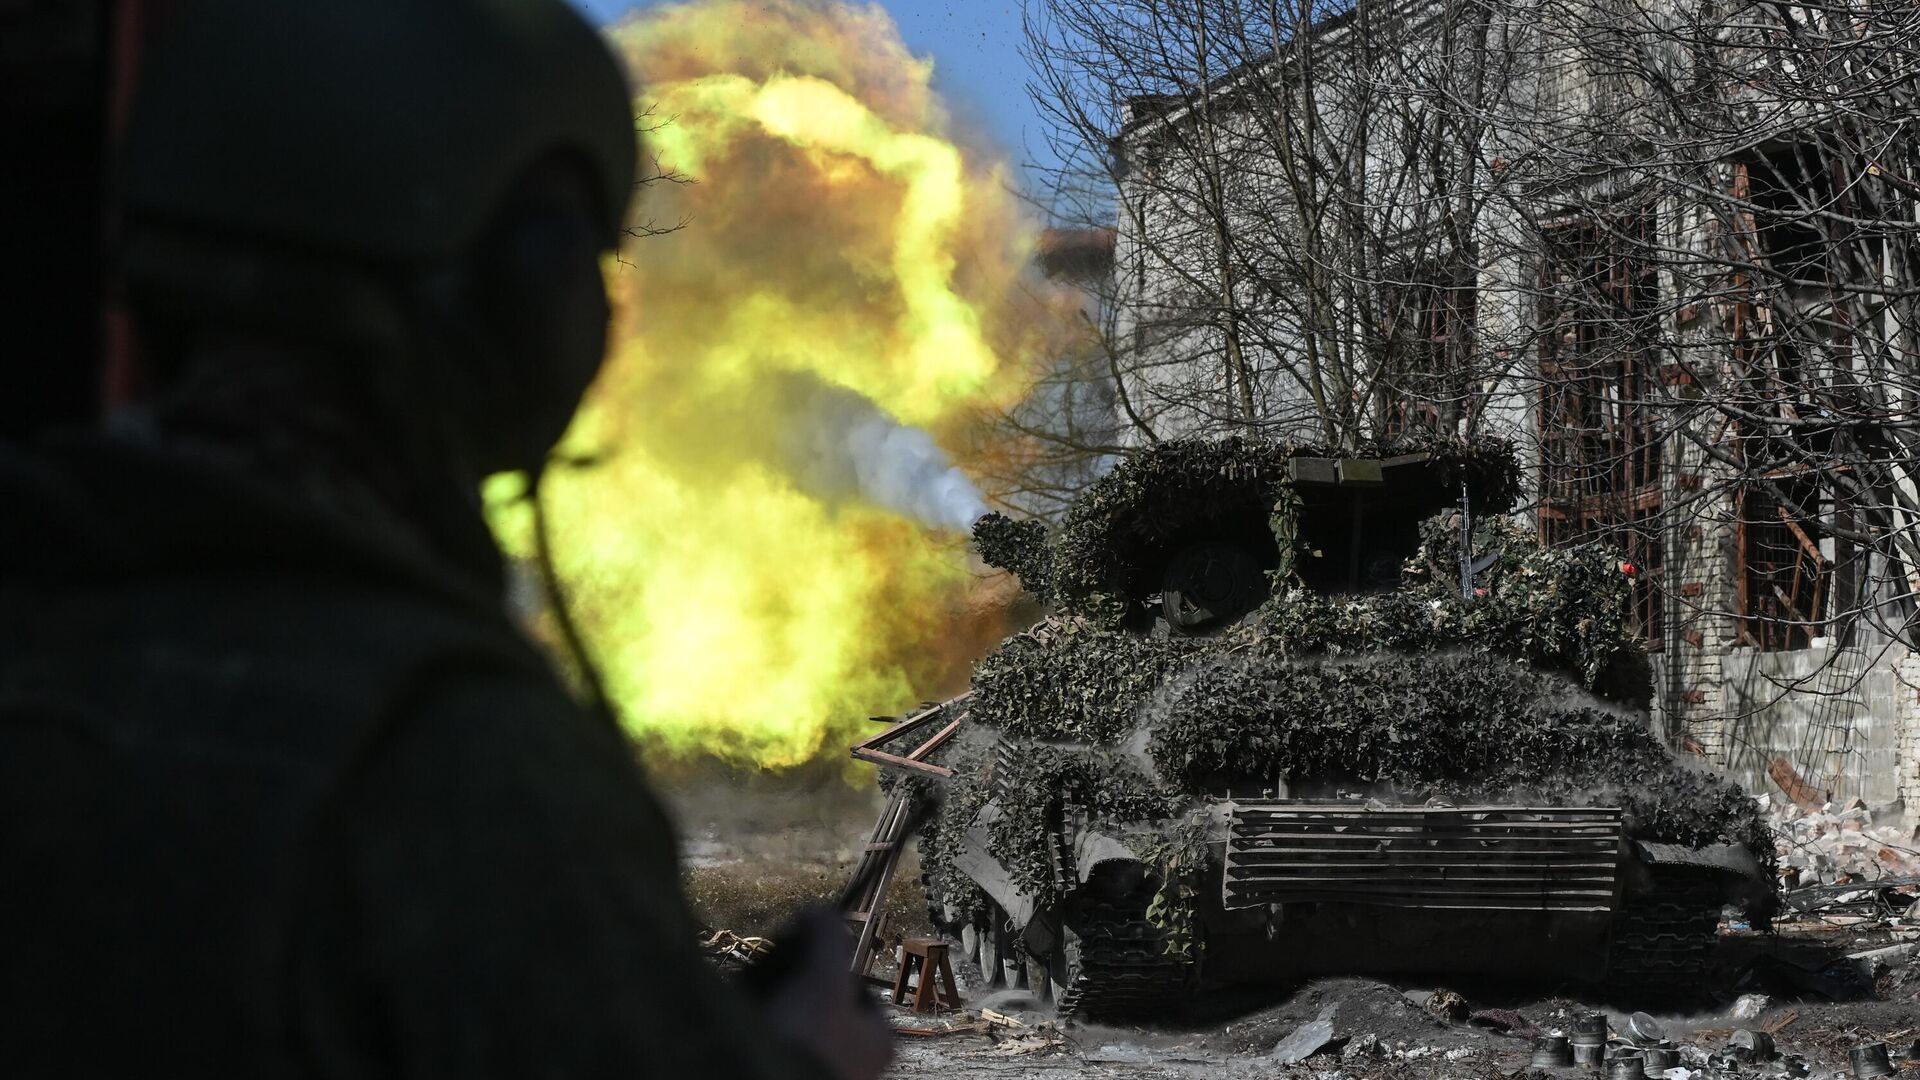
column 975, row 45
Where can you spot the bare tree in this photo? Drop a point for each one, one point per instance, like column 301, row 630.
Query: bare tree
column 1726, row 231
column 1299, row 201
column 1670, row 248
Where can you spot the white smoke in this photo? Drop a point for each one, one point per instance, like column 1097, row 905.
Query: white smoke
column 845, row 445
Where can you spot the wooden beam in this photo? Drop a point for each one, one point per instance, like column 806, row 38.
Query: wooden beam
column 935, row 743
column 882, row 758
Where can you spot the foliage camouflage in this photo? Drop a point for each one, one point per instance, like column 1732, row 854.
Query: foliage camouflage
column 1416, row 693
column 1068, row 679
column 1020, row 547
column 1102, row 780
column 1181, row 482
column 939, row 837
column 1461, row 726
column 1561, row 608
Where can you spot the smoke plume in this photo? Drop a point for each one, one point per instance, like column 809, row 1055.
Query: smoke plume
column 750, row 560
column 844, row 446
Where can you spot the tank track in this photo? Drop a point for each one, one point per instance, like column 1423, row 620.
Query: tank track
column 1117, row 965
column 1664, row 940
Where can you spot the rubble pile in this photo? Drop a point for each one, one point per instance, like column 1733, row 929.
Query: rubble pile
column 1754, row 1040
column 1839, row 846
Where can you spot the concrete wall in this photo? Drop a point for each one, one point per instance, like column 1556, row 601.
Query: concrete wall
column 1839, row 721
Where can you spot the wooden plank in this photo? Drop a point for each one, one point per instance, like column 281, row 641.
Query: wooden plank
column 877, row 756
column 871, row 749
column 940, row 738
column 865, row 907
column 916, row 720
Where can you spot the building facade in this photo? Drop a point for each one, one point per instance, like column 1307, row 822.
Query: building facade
column 1658, row 260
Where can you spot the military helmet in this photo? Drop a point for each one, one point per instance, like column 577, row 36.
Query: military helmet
column 383, row 131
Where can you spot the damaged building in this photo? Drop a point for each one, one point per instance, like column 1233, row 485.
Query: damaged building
column 1668, row 254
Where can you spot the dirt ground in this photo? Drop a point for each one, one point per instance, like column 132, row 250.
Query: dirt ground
column 756, row 852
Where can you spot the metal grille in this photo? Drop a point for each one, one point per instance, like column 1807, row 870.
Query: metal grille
column 1470, row 857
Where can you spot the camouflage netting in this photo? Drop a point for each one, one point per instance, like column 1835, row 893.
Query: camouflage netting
column 1418, row 693
column 1179, row 484
column 1019, row 547
column 1460, row 726
column 1069, row 680
column 1562, row 608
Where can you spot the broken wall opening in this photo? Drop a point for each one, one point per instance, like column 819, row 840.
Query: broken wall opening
column 1602, row 447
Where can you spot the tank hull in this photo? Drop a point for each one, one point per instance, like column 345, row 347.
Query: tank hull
column 1293, row 890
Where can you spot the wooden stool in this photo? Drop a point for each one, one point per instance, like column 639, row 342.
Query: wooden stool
column 929, row 957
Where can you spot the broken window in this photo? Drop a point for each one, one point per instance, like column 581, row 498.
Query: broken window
column 1787, row 558
column 1425, row 344
column 1600, row 434
column 1803, row 266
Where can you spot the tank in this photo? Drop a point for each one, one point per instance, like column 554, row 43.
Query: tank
column 1295, row 712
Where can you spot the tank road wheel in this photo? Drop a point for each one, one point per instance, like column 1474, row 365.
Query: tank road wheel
column 970, row 941
column 996, row 953
column 1055, row 969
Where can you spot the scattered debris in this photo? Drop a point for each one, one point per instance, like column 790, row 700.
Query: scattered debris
column 1504, row 1021
column 1825, row 846
column 1870, row 1061
column 1002, row 1020
column 1748, row 1045
column 1307, row 1040
column 1626, row 1067
column 1589, row 1039
column 1660, row 1059
column 1748, row 1007
column 1365, row 1048
column 1034, row 1040
column 733, row 951
column 1645, row 1030
column 1874, row 962
column 1447, row 1006
column 956, row 1029
column 1551, row 1052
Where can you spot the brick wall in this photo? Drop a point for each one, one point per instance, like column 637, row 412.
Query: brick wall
column 1847, row 719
